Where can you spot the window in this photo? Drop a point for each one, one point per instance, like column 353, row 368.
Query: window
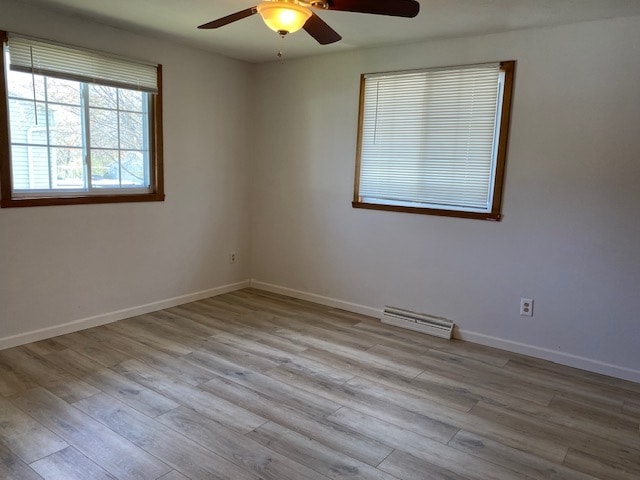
column 77, row 126
column 434, row 141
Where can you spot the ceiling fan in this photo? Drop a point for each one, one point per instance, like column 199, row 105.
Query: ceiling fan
column 288, row 16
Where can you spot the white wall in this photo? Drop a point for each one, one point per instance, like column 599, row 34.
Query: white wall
column 73, row 263
column 570, row 237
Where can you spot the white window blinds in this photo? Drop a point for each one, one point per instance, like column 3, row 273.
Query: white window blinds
column 52, row 59
column 429, row 138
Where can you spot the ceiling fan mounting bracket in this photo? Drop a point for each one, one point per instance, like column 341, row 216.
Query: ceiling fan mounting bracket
column 319, row 4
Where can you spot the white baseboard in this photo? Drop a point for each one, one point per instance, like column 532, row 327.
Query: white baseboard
column 555, row 356
column 312, row 297
column 562, row 358
column 97, row 320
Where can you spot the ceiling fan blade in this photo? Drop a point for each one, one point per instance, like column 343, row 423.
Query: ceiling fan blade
column 394, row 8
column 318, row 29
column 234, row 17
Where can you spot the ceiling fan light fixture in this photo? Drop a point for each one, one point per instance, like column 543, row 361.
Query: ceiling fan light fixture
column 282, row 16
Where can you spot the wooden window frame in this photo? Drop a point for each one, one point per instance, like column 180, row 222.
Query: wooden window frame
column 155, row 155
column 508, row 67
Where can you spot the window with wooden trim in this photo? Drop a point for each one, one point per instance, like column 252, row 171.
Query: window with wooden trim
column 434, row 141
column 77, row 126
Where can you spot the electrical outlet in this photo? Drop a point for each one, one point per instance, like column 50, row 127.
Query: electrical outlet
column 232, row 257
column 526, row 307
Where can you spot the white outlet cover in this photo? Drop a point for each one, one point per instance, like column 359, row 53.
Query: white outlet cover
column 526, row 307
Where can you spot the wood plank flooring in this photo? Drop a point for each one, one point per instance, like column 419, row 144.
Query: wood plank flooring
column 251, row 385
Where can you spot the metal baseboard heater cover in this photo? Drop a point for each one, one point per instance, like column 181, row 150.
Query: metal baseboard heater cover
column 419, row 322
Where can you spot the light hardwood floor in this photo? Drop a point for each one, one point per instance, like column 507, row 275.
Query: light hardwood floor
column 252, row 385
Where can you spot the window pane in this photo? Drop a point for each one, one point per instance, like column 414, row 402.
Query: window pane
column 131, row 130
column 131, row 100
column 20, row 85
column 65, row 126
column 24, row 128
column 105, row 168
column 30, row 167
column 68, row 168
column 132, row 168
column 63, row 91
column 115, row 169
column 20, row 167
column 103, row 96
column 104, row 128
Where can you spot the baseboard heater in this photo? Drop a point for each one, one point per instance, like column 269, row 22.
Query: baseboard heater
column 419, row 322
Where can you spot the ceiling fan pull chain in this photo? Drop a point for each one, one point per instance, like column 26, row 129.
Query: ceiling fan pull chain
column 280, row 53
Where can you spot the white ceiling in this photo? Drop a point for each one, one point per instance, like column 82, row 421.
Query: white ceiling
column 251, row 40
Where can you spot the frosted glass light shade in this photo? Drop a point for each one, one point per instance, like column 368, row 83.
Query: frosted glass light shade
column 283, row 16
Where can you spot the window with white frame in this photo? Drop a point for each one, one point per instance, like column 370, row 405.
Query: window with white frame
column 434, row 141
column 80, row 126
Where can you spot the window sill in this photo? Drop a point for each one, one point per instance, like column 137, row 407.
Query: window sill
column 429, row 211
column 79, row 200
